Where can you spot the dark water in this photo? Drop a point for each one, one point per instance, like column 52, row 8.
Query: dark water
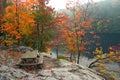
column 109, row 39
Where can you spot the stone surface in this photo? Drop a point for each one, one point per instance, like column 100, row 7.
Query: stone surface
column 4, row 77
column 8, row 73
column 66, row 71
column 21, row 48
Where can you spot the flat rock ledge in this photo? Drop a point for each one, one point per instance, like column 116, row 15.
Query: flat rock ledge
column 9, row 73
column 66, row 71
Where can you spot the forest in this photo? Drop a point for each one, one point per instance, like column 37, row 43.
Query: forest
column 88, row 32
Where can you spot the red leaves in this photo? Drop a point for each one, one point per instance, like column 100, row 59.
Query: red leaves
column 96, row 37
column 97, row 44
column 81, row 33
column 43, row 1
column 74, row 26
column 61, row 19
column 82, row 48
column 91, row 32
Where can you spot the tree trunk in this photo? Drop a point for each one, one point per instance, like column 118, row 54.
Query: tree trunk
column 19, row 42
column 78, row 57
column 5, row 37
column 37, row 37
column 77, row 44
column 70, row 56
column 42, row 46
column 57, row 51
column 18, row 21
column 91, row 64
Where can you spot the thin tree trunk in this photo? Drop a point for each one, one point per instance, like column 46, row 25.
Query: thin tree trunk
column 91, row 64
column 77, row 44
column 19, row 42
column 42, row 47
column 18, row 22
column 78, row 57
column 70, row 56
column 57, row 51
column 5, row 37
column 37, row 37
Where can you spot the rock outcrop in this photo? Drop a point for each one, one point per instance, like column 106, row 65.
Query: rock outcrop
column 66, row 71
column 8, row 73
column 21, row 48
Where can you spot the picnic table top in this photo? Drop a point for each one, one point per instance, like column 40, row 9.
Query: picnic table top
column 30, row 54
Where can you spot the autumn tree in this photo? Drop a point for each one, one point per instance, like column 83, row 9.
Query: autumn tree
column 2, row 7
column 101, row 58
column 76, row 26
column 44, row 18
column 0, row 11
column 0, row 16
column 57, row 41
column 17, row 22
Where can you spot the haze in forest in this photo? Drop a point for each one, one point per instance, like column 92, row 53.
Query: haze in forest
column 61, row 4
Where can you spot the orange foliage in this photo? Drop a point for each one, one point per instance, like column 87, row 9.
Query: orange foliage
column 81, row 33
column 82, row 48
column 18, row 21
column 74, row 26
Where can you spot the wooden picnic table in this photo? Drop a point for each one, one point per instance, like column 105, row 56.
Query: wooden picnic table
column 31, row 59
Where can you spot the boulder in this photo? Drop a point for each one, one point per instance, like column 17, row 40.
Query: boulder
column 21, row 48
column 9, row 73
column 3, row 53
column 67, row 71
column 5, row 77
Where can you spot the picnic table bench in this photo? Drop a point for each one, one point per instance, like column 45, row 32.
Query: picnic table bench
column 31, row 59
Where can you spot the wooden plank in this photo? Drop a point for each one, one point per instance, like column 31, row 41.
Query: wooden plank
column 30, row 54
column 28, row 64
column 41, row 59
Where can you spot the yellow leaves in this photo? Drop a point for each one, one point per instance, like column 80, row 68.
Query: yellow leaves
column 9, row 41
column 110, row 48
column 111, row 53
column 102, row 70
column 101, row 65
column 118, row 57
column 70, row 43
column 98, row 51
column 102, row 58
column 48, row 49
